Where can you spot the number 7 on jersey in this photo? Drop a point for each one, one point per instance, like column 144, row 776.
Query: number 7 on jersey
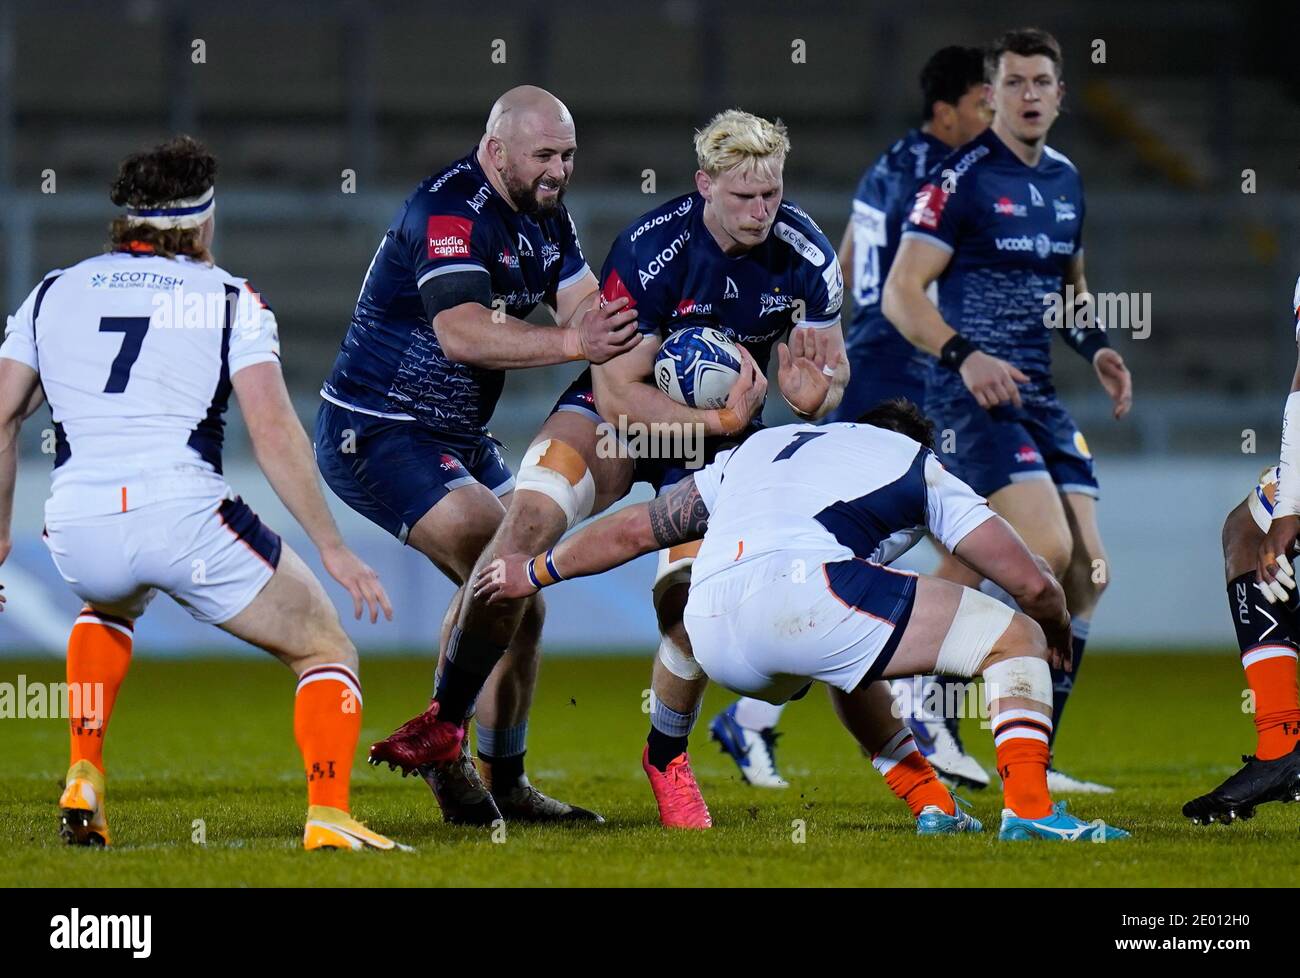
column 800, row 439
column 132, row 329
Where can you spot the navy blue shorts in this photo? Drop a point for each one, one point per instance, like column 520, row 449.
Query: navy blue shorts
column 882, row 594
column 876, row 377
column 393, row 472
column 992, row 449
column 661, row 473
column 579, row 398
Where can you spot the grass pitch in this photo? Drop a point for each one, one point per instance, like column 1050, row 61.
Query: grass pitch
column 213, row 741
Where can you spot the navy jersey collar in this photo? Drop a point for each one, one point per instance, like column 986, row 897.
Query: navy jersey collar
column 477, row 170
column 941, row 148
column 518, row 215
column 995, row 143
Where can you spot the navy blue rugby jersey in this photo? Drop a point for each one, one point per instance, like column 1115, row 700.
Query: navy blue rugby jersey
column 1013, row 231
column 670, row 267
column 881, row 204
column 390, row 363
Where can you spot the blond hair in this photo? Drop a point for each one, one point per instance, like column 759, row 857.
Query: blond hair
column 736, row 139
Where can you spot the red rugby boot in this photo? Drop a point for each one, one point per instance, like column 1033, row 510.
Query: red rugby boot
column 681, row 806
column 419, row 741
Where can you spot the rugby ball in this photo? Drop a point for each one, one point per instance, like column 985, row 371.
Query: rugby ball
column 697, row 366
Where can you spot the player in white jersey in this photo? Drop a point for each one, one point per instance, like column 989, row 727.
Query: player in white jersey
column 1259, row 540
column 137, row 351
column 791, row 584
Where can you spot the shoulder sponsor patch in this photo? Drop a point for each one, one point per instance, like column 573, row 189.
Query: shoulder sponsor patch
column 615, row 289
column 799, row 243
column 681, row 210
column 447, row 236
column 795, row 208
column 928, row 208
column 834, row 287
column 461, row 167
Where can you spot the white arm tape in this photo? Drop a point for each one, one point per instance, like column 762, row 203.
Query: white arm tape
column 1288, row 484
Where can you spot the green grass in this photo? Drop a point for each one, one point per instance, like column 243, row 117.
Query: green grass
column 213, row 740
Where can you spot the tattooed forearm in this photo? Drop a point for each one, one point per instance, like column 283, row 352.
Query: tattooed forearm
column 679, row 515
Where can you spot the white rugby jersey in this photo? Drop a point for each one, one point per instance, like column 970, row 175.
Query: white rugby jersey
column 135, row 353
column 824, row 488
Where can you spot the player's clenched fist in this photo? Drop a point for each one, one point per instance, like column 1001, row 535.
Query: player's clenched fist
column 992, row 381
column 603, row 332
column 504, row 579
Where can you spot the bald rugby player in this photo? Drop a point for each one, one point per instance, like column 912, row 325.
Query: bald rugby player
column 402, row 436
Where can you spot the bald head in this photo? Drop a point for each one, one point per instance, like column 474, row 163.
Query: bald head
column 524, row 109
column 527, row 147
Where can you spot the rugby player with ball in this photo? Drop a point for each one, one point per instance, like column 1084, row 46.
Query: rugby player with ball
column 732, row 256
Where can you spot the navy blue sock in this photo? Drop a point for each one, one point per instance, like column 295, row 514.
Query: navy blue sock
column 950, row 719
column 506, row 771
column 502, row 750
column 468, row 666
column 1063, row 682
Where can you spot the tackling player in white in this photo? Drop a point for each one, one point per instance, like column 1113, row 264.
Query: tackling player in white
column 791, row 585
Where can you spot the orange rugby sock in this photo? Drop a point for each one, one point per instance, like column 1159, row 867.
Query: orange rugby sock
column 99, row 653
column 327, row 724
column 910, row 776
column 1271, row 675
column 1021, row 737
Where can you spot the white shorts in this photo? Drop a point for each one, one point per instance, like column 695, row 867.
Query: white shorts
column 769, row 626
column 211, row 555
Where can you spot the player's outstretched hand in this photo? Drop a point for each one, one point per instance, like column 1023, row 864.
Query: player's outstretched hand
column 1115, row 378
column 1274, row 575
column 360, row 580
column 806, row 367
column 504, row 579
column 749, row 391
column 992, row 381
column 605, row 331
